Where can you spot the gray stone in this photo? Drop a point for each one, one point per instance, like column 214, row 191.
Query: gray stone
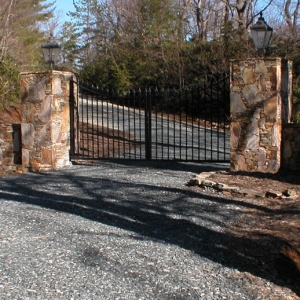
column 252, row 136
column 251, row 94
column 256, row 114
column 45, row 114
column 261, row 159
column 56, row 86
column 208, row 183
column 28, row 132
column 55, row 133
column 194, row 182
column 273, row 166
column 248, row 76
column 236, row 103
column 262, row 123
column 39, row 90
column 42, row 136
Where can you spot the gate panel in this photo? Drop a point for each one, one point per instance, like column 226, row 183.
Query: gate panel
column 189, row 125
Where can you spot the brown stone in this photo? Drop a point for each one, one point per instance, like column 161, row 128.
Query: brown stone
column 260, row 67
column 235, row 133
column 30, row 113
column 270, row 108
column 47, row 154
column 241, row 164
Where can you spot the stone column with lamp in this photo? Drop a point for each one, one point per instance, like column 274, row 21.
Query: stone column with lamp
column 257, row 99
column 45, row 126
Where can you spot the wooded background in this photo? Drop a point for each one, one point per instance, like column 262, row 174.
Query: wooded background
column 127, row 44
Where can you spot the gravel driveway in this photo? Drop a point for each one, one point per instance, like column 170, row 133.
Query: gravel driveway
column 125, row 230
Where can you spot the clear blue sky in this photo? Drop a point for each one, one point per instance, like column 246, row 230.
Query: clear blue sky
column 64, row 6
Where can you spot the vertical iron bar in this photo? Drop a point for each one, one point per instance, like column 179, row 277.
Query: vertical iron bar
column 113, row 123
column 180, row 123
column 134, row 124
column 72, row 119
column 162, row 122
column 174, row 125
column 118, row 121
column 186, row 125
column 102, row 121
column 198, row 121
column 205, row 119
column 140, row 123
column 224, row 114
column 98, row 129
column 92, row 130
column 211, row 120
column 148, row 124
column 156, row 124
column 129, row 127
column 192, row 116
column 168, row 120
column 218, row 119
column 123, row 129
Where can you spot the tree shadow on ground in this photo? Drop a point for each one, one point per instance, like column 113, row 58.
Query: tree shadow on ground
column 139, row 208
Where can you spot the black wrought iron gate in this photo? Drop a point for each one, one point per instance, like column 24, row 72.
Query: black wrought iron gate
column 182, row 125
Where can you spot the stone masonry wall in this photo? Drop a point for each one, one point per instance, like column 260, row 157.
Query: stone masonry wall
column 45, row 120
column 6, row 149
column 256, row 115
column 291, row 147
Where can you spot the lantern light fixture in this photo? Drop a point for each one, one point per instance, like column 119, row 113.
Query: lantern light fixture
column 51, row 51
column 261, row 34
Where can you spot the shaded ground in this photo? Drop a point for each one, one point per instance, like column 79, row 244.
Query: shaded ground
column 143, row 231
column 268, row 217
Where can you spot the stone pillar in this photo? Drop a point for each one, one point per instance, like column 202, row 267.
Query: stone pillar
column 256, row 114
column 45, row 125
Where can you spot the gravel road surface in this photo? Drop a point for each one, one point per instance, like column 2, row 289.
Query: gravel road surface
column 123, row 230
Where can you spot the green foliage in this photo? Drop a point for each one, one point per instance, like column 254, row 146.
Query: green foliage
column 9, row 83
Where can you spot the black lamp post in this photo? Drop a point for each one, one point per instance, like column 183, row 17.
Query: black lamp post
column 51, row 51
column 261, row 33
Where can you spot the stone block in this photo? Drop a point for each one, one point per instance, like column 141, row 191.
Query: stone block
column 28, row 132
column 271, row 108
column 45, row 114
column 236, row 103
column 235, row 133
column 251, row 94
column 56, row 86
column 260, row 67
column 39, row 90
column 248, row 76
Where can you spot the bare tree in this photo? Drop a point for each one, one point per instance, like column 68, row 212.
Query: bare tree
column 5, row 15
